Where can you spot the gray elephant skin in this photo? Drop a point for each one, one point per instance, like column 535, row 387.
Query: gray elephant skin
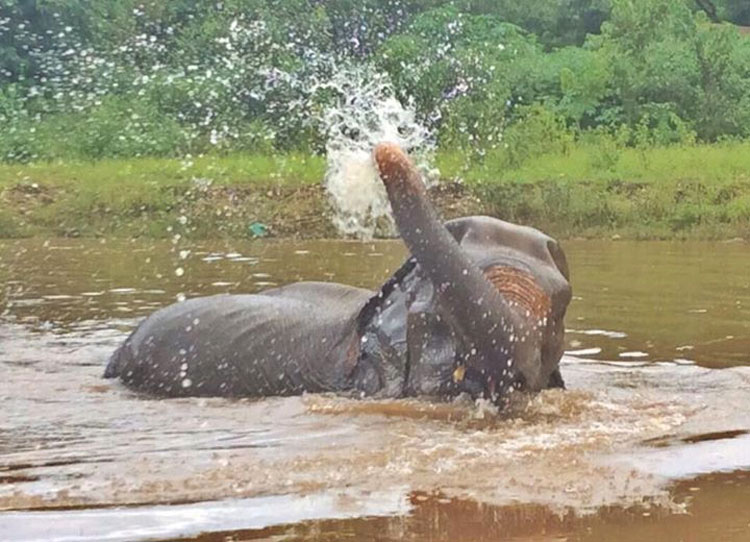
column 478, row 308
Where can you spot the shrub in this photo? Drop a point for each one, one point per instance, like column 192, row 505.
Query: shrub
column 536, row 132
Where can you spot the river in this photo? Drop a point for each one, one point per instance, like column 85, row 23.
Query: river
column 651, row 439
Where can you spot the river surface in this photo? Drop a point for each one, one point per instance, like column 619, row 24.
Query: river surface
column 650, row 439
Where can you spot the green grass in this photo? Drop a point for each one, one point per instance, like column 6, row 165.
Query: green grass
column 136, row 196
column 594, row 189
column 718, row 163
column 601, row 190
column 114, row 174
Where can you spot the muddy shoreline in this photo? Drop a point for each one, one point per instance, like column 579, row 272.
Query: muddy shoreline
column 199, row 212
column 303, row 211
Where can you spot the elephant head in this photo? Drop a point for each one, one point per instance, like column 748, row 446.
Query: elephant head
column 502, row 289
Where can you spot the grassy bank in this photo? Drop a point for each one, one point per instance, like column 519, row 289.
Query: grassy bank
column 594, row 191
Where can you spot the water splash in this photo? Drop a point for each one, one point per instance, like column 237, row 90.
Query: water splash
column 234, row 93
column 365, row 113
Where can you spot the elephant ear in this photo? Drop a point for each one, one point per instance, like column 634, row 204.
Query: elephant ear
column 558, row 256
column 375, row 304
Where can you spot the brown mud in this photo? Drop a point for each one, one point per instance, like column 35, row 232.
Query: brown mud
column 301, row 212
column 201, row 210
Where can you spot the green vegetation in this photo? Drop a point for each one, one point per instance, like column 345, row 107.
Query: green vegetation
column 93, row 79
column 581, row 116
column 147, row 196
column 700, row 191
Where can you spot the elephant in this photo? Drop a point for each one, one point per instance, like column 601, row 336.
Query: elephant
column 477, row 308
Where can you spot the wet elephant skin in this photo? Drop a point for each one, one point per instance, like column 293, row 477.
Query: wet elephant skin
column 478, row 308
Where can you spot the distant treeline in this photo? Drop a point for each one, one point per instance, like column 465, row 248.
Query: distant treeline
column 88, row 79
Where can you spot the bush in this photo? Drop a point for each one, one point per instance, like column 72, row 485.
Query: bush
column 126, row 78
column 537, row 132
column 670, row 66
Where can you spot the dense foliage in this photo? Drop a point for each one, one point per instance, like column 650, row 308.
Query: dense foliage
column 119, row 78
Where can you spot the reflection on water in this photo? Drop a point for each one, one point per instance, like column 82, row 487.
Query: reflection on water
column 646, row 406
column 646, row 301
column 717, row 505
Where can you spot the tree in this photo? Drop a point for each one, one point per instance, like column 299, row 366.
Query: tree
column 554, row 22
column 709, row 8
column 735, row 11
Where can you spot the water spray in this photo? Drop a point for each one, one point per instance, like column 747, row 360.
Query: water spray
column 365, row 113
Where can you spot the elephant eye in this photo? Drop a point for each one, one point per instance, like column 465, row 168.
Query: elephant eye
column 520, row 289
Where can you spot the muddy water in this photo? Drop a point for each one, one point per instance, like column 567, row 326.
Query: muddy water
column 649, row 440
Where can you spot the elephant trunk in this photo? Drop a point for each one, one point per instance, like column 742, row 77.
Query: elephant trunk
column 479, row 312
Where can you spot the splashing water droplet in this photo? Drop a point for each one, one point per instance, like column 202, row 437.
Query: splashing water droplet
column 367, row 113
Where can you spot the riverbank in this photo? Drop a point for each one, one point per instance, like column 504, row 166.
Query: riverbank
column 698, row 192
